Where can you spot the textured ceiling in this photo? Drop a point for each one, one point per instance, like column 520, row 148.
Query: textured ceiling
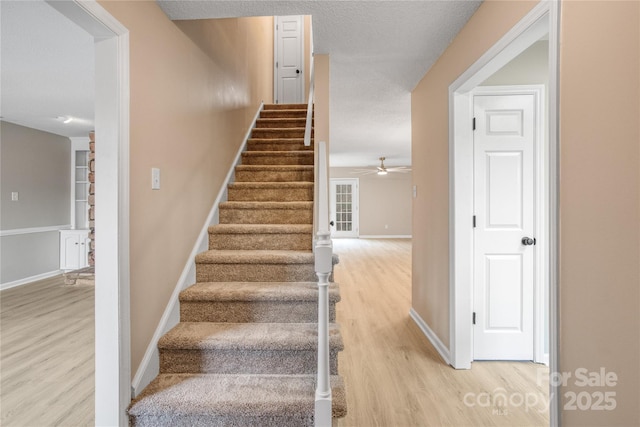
column 379, row 51
column 47, row 68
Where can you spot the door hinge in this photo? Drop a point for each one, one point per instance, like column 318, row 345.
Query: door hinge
column 474, row 221
column 474, row 318
column 276, row 64
column 474, row 123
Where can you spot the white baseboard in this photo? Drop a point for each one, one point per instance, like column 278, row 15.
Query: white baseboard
column 385, row 236
column 150, row 365
column 431, row 336
column 31, row 279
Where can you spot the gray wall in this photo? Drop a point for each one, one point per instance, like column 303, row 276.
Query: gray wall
column 384, row 201
column 37, row 165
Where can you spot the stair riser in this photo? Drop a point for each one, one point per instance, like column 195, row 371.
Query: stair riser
column 281, row 123
column 220, row 421
column 274, row 176
column 272, row 362
column 270, row 195
column 279, row 114
column 278, row 146
column 277, row 159
column 278, row 133
column 266, row 216
column 287, row 242
column 255, row 273
column 253, row 311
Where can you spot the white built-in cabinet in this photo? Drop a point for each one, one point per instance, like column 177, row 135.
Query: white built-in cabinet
column 74, row 245
column 81, row 190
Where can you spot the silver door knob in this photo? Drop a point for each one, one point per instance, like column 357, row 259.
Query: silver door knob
column 528, row 241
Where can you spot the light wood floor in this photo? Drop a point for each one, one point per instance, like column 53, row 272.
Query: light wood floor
column 394, row 376
column 47, row 355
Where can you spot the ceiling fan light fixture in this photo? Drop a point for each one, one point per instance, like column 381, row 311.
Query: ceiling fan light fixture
column 382, row 172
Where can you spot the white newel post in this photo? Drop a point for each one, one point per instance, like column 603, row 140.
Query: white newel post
column 323, row 267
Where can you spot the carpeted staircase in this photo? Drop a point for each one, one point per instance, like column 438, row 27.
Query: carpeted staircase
column 245, row 350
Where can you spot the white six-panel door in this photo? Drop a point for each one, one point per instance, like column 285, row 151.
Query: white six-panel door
column 504, row 186
column 289, row 60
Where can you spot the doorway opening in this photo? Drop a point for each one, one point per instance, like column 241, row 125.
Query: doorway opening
column 112, row 329
column 539, row 25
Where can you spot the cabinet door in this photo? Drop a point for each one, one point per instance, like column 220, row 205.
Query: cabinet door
column 69, row 251
column 74, row 245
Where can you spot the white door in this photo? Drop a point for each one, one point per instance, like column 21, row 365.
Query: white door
column 289, row 60
column 504, row 156
column 344, row 207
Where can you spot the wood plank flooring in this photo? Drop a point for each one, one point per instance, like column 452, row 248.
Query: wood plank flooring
column 394, row 376
column 47, row 354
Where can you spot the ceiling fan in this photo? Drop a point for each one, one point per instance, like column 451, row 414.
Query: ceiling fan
column 382, row 169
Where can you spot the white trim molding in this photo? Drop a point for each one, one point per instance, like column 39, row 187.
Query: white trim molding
column 33, row 230
column 27, row 280
column 431, row 336
column 112, row 317
column 150, row 365
column 386, row 236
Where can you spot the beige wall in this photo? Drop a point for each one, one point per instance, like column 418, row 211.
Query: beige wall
column 307, row 56
column 321, row 101
column 430, row 158
column 191, row 104
column 599, row 200
column 385, row 202
column 599, row 189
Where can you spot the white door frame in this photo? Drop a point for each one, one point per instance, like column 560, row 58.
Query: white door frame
column 276, row 80
column 541, row 200
column 542, row 19
column 112, row 322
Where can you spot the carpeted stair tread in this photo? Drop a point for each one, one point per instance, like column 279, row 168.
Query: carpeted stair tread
column 257, row 291
column 201, row 398
column 273, row 168
column 288, row 153
column 283, row 113
column 297, row 132
column 278, row 157
column 279, row 144
column 254, row 257
column 248, row 336
column 261, row 229
column 267, row 205
column 281, row 122
column 272, row 185
column 237, row 212
column 285, row 107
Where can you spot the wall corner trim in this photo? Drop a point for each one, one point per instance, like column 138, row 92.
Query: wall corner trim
column 150, row 365
column 431, row 336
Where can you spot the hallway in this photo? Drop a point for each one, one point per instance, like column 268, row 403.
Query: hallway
column 394, row 377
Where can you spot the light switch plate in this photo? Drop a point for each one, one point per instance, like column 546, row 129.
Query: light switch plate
column 15, row 196
column 155, row 178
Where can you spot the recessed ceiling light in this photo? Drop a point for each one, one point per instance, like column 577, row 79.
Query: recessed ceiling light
column 64, row 119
